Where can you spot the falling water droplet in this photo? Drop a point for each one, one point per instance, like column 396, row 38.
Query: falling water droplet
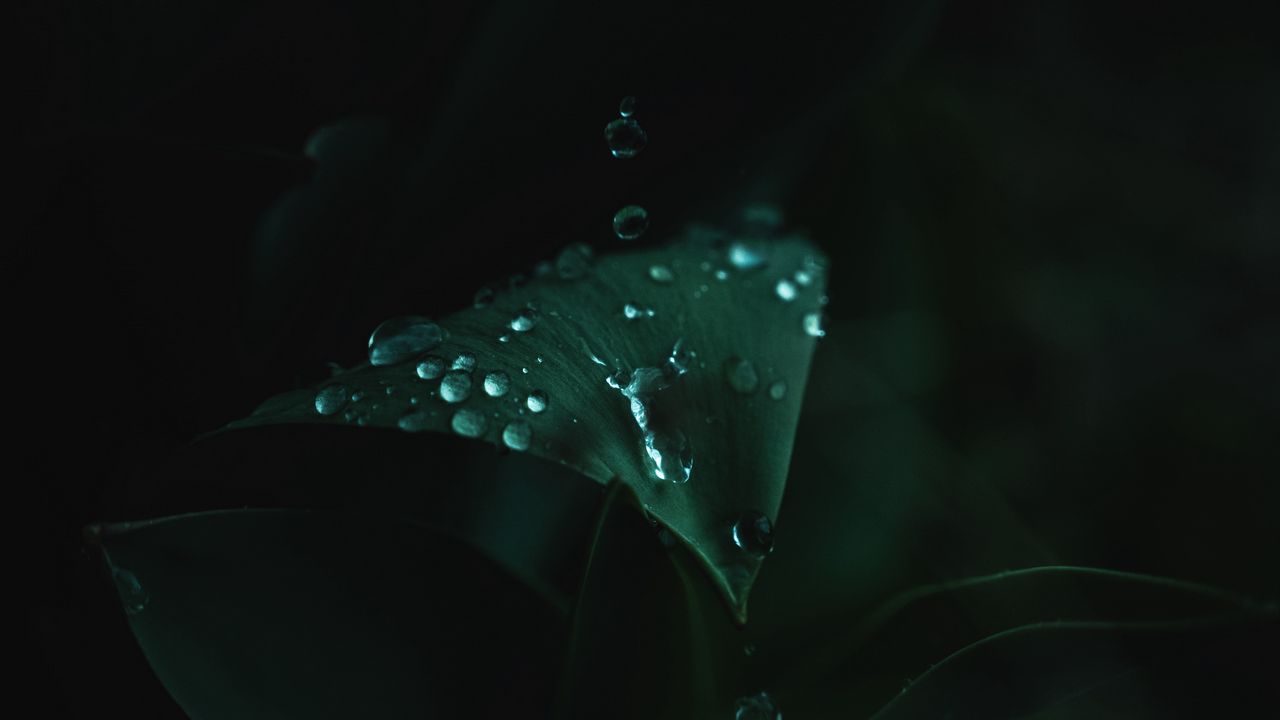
column 484, row 298
column 402, row 338
column 133, row 596
column 415, row 421
column 524, row 320
column 465, row 361
column 778, row 389
column 574, row 261
column 630, row 222
column 627, row 107
column 496, row 384
column 456, row 386
column 661, row 274
column 672, row 457
column 536, row 402
column 331, row 399
column 625, row 137
column 517, row 435
column 741, row 375
column 756, row 707
column 753, row 533
column 469, row 422
column 431, row 367
column 785, row 290
column 815, row 324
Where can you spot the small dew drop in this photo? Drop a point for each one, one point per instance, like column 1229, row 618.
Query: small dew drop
column 357, row 396
column 469, row 422
column 536, row 402
column 465, row 361
column 504, row 338
column 804, row 278
column 625, row 137
column 756, row 707
column 722, row 275
column 133, row 596
column 785, row 290
column 496, row 384
column 630, row 222
column 517, row 435
column 745, row 255
column 456, row 386
column 741, row 375
column 627, row 107
column 778, row 389
column 431, row 367
column 815, row 324
column 753, row 533
column 635, row 311
column 331, row 399
column 524, row 320
column 401, row 338
column 661, row 274
column 415, row 421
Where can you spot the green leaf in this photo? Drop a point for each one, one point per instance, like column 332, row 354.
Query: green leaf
column 736, row 336
column 280, row 613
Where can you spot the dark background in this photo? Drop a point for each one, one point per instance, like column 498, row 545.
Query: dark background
column 1054, row 242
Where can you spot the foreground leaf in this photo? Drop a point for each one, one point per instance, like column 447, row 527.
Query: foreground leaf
column 709, row 368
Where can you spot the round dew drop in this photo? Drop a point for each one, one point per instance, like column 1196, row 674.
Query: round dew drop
column 517, row 435
column 536, row 402
column 753, row 533
column 496, row 384
column 785, row 290
column 778, row 389
column 469, row 422
column 456, row 386
column 661, row 274
column 431, row 367
column 465, row 361
column 524, row 320
column 741, row 375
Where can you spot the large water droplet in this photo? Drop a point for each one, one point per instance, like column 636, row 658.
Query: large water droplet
column 815, row 324
column 524, row 320
column 625, row 137
column 415, row 421
column 630, row 222
column 484, row 298
column 574, row 261
column 741, row 375
column 536, row 402
column 627, row 107
column 402, row 338
column 756, row 707
column 517, row 435
column 745, row 255
column 778, row 389
column 456, row 386
column 431, row 367
column 661, row 274
column 671, row 454
column 469, row 422
column 133, row 596
column 753, row 533
column 635, row 311
column 465, row 361
column 496, row 384
column 785, row 290
column 331, row 399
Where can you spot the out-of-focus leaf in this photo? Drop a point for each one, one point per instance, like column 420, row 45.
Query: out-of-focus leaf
column 718, row 368
column 273, row 613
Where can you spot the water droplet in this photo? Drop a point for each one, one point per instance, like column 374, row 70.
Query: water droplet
column 456, row 386
column 414, row 400
column 357, row 396
column 133, row 596
column 431, row 367
column 804, row 278
column 469, row 422
column 749, row 649
column 722, row 275
column 390, row 390
column 741, row 375
column 630, row 222
column 524, row 370
column 402, row 338
column 753, row 533
column 778, row 389
column 539, row 359
column 331, row 399
column 524, row 320
column 786, row 290
column 625, row 137
column 635, row 311
column 504, row 338
column 536, row 402
column 661, row 274
column 815, row 324
column 756, row 707
column 517, row 435
column 745, row 255
column 627, row 107
column 415, row 421
column 671, row 454
column 496, row 384
column 677, row 362
column 574, row 261
column 484, row 297
column 465, row 361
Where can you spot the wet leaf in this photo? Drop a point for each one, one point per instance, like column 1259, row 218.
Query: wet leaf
column 681, row 401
